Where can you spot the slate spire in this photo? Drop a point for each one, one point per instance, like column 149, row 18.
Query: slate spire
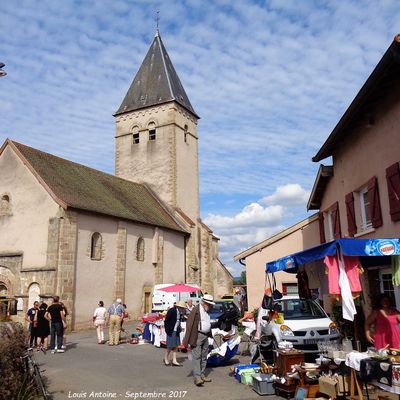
column 155, row 83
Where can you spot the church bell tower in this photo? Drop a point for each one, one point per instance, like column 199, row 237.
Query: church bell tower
column 156, row 133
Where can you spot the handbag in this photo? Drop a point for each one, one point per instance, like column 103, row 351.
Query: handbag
column 276, row 294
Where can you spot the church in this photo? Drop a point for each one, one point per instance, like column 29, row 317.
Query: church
column 85, row 235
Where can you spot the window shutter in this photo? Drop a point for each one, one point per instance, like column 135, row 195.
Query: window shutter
column 336, row 221
column 393, row 184
column 321, row 227
column 351, row 216
column 373, row 196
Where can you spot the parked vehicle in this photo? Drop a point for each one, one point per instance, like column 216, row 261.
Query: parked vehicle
column 305, row 323
column 162, row 301
column 226, row 313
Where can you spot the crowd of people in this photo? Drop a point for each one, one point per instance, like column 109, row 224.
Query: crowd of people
column 45, row 321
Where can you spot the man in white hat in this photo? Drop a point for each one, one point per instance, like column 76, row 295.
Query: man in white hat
column 115, row 315
column 198, row 329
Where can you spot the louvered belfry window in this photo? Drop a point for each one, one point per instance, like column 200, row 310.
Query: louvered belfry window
column 351, row 216
column 374, row 201
column 393, row 185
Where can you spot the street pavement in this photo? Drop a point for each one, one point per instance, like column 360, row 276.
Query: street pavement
column 89, row 370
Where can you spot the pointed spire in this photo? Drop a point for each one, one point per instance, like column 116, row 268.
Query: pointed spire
column 156, row 82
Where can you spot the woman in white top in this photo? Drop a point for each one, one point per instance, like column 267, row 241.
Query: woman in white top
column 99, row 319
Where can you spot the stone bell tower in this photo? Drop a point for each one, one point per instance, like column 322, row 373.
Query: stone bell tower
column 156, row 133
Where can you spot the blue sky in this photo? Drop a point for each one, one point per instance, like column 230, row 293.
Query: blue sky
column 269, row 79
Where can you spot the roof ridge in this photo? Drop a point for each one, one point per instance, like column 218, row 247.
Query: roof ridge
column 158, row 37
column 76, row 163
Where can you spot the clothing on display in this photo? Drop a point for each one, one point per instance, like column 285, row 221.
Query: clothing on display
column 352, row 269
column 396, row 270
column 348, row 306
column 302, row 283
column 312, row 268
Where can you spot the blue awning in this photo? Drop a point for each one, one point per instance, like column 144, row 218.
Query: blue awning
column 348, row 247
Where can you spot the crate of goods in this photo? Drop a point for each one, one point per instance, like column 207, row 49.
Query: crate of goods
column 263, row 384
column 241, row 367
column 246, row 377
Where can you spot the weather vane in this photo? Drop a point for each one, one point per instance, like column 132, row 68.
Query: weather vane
column 158, row 18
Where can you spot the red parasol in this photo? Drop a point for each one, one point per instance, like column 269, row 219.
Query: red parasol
column 180, row 288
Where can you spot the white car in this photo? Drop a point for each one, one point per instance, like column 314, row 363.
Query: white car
column 305, row 323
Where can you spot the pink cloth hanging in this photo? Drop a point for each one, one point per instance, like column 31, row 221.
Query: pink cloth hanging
column 352, row 271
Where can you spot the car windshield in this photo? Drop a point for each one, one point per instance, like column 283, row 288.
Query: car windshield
column 299, row 309
column 217, row 307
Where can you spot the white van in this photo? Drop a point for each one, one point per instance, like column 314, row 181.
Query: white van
column 162, row 301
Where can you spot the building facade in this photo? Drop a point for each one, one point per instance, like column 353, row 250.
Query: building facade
column 358, row 194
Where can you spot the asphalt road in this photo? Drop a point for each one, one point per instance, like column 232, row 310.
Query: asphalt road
column 89, row 370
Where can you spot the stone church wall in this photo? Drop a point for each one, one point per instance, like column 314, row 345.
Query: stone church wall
column 94, row 278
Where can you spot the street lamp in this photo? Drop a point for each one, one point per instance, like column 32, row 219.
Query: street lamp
column 2, row 73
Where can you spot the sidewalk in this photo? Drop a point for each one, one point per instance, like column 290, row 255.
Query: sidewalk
column 89, row 370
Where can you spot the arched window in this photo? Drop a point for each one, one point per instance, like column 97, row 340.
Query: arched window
column 95, row 249
column 5, row 205
column 135, row 135
column 140, row 249
column 152, row 131
column 33, row 294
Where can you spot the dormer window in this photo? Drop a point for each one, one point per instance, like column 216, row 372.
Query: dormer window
column 152, row 131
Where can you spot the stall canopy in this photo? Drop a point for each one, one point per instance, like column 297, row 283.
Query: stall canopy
column 348, row 247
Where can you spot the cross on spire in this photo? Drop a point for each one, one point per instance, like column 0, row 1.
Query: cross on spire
column 157, row 21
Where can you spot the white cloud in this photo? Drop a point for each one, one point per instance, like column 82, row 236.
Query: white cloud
column 252, row 215
column 291, row 194
column 268, row 96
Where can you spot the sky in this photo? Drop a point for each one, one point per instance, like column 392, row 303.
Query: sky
column 269, row 79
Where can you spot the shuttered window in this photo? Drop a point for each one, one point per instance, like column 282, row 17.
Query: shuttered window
column 374, row 202
column 332, row 225
column 321, row 227
column 393, row 185
column 351, row 216
column 337, row 233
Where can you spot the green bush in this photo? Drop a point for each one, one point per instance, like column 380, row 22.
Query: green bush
column 14, row 385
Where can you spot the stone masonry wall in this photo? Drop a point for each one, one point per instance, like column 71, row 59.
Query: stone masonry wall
column 67, row 262
column 120, row 264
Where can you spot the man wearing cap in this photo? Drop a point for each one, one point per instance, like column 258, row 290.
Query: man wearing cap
column 198, row 329
column 116, row 313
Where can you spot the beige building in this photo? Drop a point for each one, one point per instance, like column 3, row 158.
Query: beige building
column 359, row 194
column 296, row 238
column 85, row 235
